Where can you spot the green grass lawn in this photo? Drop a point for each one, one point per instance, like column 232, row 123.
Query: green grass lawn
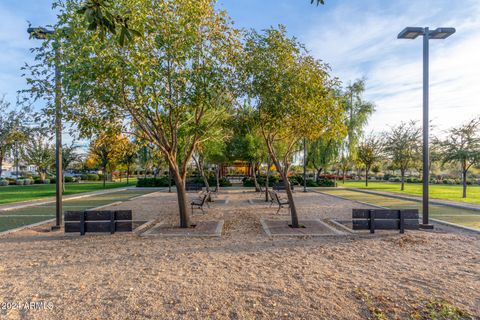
column 24, row 216
column 437, row 191
column 11, row 194
column 463, row 217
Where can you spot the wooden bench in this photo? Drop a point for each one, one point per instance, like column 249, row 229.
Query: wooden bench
column 274, row 198
column 385, row 219
column 98, row 221
column 200, row 202
column 193, row 186
column 281, row 187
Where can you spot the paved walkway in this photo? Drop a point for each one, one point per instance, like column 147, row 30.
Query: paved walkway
column 450, row 203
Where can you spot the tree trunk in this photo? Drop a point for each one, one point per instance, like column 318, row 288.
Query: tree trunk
column 288, row 190
column 128, row 173
column 464, row 195
column 254, row 177
column 182, row 200
column 269, row 164
column 319, row 172
column 367, row 169
column 200, row 167
column 217, row 177
column 293, row 208
column 104, row 178
column 1, row 163
column 402, row 173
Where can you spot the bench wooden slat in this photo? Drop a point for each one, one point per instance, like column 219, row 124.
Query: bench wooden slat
column 381, row 224
column 384, row 214
column 72, row 215
column 95, row 215
column 99, row 226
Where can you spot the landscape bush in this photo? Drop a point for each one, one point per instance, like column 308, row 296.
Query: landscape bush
column 248, row 181
column 224, row 182
column 296, row 180
column 90, row 177
column 4, row 182
column 70, row 179
column 153, row 182
column 322, row 182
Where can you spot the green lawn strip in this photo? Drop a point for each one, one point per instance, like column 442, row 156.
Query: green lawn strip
column 445, row 192
column 468, row 218
column 8, row 222
column 12, row 194
column 20, row 217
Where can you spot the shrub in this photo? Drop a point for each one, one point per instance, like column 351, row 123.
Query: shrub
column 69, row 179
column 28, row 182
column 387, row 176
column 296, row 180
column 48, row 181
column 248, row 181
column 324, row 182
column 3, row 183
column 20, row 182
column 224, row 182
column 153, row 182
column 89, row 177
column 311, row 183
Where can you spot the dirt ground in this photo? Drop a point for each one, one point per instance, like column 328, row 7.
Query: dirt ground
column 242, row 275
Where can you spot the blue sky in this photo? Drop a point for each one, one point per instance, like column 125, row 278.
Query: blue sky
column 357, row 38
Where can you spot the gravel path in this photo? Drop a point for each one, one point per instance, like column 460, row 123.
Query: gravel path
column 243, row 275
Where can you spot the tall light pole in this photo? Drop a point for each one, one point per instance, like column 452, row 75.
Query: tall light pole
column 437, row 34
column 304, row 165
column 43, row 33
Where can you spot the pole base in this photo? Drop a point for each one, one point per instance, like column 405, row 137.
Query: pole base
column 426, row 226
column 55, row 228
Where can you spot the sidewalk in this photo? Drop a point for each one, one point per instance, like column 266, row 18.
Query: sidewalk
column 449, row 203
column 31, row 203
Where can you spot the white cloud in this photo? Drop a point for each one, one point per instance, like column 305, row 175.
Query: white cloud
column 363, row 43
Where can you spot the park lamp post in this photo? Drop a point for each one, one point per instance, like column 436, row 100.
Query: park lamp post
column 304, row 164
column 42, row 34
column 437, row 34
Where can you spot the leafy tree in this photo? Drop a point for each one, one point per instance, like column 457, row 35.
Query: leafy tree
column 128, row 154
column 357, row 113
column 69, row 157
column 247, row 143
column 106, row 18
column 462, row 146
column 145, row 159
column 11, row 129
column 216, row 153
column 105, row 150
column 172, row 83
column 369, row 152
column 38, row 151
column 322, row 153
column 293, row 97
column 401, row 145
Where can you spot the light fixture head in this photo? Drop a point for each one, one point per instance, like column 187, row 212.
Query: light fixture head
column 441, row 33
column 39, row 32
column 411, row 33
